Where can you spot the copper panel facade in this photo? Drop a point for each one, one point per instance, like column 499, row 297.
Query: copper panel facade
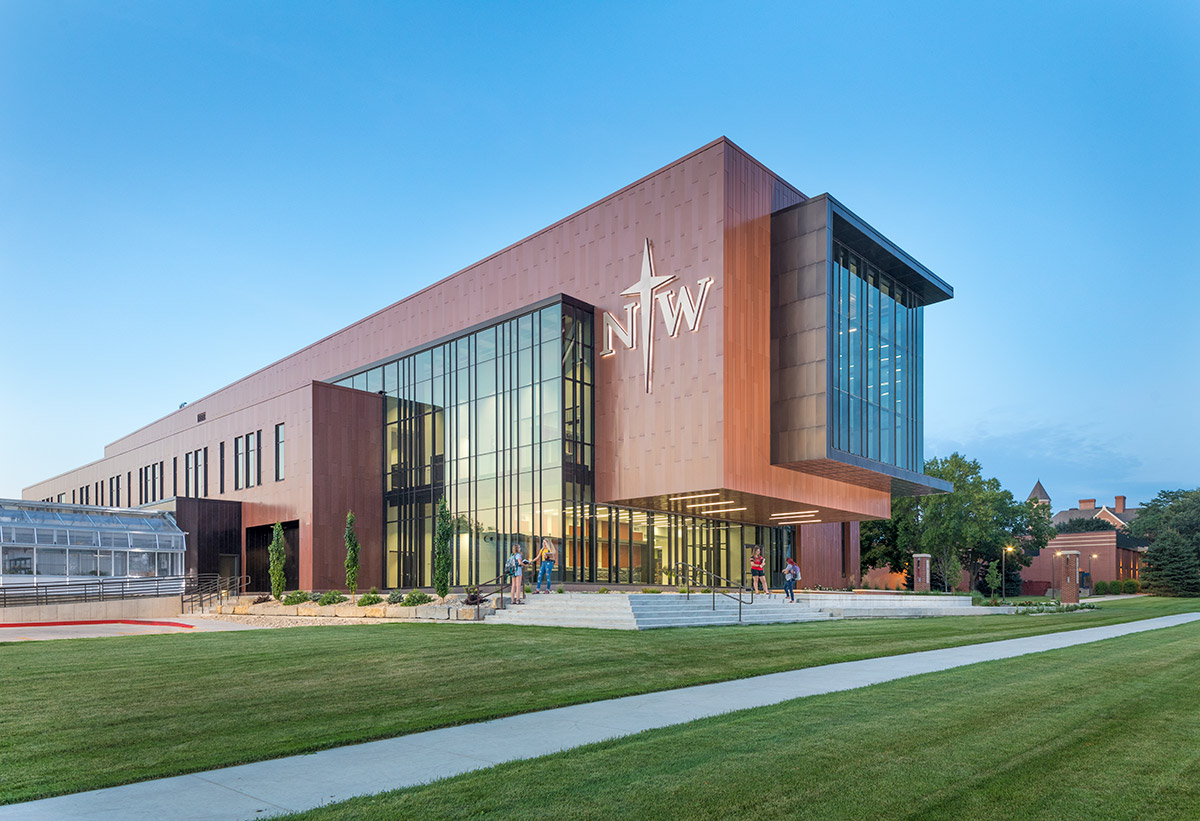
column 706, row 423
column 347, row 476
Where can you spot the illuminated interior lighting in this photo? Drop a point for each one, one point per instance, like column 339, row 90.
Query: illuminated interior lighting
column 693, row 496
column 710, row 504
column 726, row 510
column 795, row 513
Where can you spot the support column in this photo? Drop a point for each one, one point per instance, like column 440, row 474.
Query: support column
column 921, row 572
column 1068, row 571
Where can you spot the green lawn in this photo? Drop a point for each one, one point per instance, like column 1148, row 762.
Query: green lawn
column 1105, row 731
column 90, row 713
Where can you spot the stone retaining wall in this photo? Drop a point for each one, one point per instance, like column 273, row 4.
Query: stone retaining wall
column 349, row 610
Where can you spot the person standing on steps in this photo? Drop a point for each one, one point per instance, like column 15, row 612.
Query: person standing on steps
column 791, row 574
column 758, row 572
column 515, row 569
column 546, row 557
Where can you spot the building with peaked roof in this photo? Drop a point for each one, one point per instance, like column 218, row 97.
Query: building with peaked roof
column 1119, row 515
column 1039, row 494
column 705, row 361
column 1104, row 555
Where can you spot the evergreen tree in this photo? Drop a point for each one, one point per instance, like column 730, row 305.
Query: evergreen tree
column 351, row 555
column 441, row 549
column 1170, row 566
column 275, row 556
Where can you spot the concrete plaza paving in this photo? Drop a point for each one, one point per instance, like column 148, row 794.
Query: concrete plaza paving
column 302, row 782
column 125, row 627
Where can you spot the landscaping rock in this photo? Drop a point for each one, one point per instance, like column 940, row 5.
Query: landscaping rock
column 308, row 609
column 396, row 611
column 433, row 611
column 347, row 610
column 374, row 611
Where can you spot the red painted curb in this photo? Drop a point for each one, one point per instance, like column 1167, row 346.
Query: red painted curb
column 96, row 621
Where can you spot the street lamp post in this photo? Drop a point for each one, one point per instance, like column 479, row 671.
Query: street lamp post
column 1054, row 570
column 1003, row 574
column 1091, row 582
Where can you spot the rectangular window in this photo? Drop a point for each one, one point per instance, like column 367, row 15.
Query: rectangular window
column 162, row 480
column 237, row 463
column 174, row 475
column 251, row 459
column 117, row 498
column 221, row 467
column 279, row 456
column 187, row 474
column 202, row 482
column 258, row 458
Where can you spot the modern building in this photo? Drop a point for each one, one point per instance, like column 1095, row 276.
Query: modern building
column 704, row 361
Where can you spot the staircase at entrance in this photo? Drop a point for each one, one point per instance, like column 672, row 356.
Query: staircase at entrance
column 645, row 611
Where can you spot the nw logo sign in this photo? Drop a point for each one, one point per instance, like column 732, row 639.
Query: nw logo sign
column 676, row 308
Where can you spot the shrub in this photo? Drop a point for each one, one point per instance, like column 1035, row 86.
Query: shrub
column 263, row 599
column 560, row 590
column 396, row 597
column 706, row 590
column 1100, row 588
column 602, row 590
column 650, row 590
column 416, row 598
column 332, row 597
column 685, row 589
column 368, row 599
column 299, row 597
column 1131, row 586
column 528, row 589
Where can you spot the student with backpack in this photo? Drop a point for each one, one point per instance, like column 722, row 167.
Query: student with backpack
column 515, row 569
column 791, row 574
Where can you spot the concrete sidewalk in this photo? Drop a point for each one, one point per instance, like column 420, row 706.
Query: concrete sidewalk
column 306, row 781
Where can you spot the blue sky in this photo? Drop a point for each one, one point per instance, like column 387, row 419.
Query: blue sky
column 189, row 191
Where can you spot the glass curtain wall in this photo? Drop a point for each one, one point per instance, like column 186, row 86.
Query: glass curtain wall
column 877, row 370
column 634, row 546
column 499, row 421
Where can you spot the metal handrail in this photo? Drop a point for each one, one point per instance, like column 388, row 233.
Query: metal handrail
column 90, row 591
column 741, row 588
column 499, row 581
column 204, row 589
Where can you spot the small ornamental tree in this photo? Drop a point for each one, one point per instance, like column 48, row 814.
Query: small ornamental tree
column 441, row 549
column 275, row 555
column 351, row 555
column 993, row 580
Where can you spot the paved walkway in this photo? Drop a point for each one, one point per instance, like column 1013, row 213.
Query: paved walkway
column 115, row 627
column 306, row 781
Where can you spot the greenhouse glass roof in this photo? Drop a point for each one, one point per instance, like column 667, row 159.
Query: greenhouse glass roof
column 43, row 523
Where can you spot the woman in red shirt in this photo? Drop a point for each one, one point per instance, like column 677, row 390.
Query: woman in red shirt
column 758, row 571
